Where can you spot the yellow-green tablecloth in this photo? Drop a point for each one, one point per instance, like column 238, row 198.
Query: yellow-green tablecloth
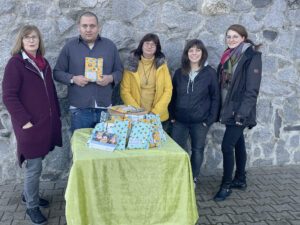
column 131, row 187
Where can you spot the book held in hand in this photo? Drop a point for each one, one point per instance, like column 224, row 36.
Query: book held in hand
column 93, row 69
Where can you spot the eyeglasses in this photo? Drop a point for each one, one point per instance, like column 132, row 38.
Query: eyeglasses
column 86, row 26
column 150, row 44
column 228, row 37
column 30, row 38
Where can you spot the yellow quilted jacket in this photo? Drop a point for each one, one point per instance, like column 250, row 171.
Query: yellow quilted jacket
column 131, row 89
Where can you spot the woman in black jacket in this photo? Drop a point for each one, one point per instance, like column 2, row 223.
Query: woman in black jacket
column 239, row 74
column 195, row 101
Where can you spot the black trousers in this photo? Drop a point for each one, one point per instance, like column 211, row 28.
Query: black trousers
column 234, row 151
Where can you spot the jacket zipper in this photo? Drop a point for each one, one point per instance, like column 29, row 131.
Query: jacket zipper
column 36, row 72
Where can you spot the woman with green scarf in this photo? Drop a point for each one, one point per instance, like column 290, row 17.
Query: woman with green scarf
column 240, row 75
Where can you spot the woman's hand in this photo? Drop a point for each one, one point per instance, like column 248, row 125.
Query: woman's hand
column 27, row 125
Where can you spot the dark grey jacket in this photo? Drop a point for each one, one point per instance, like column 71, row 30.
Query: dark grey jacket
column 240, row 101
column 71, row 62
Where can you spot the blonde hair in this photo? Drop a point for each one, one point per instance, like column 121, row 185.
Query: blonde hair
column 24, row 31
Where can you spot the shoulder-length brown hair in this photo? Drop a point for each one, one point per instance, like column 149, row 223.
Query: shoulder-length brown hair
column 24, row 31
column 241, row 30
column 185, row 62
column 149, row 37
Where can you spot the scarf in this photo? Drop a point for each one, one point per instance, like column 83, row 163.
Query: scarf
column 228, row 60
column 38, row 60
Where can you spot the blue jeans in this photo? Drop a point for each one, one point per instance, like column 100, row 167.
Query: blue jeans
column 85, row 118
column 197, row 132
column 233, row 149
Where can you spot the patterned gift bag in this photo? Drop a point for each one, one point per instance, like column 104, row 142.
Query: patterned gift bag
column 139, row 136
column 121, row 128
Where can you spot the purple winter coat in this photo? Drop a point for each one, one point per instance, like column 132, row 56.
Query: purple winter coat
column 29, row 98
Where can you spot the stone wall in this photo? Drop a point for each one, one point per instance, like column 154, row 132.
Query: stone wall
column 274, row 23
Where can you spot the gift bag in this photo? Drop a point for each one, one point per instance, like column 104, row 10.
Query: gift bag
column 139, row 136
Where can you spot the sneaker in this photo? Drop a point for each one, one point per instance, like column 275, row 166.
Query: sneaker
column 43, row 202
column 223, row 193
column 238, row 184
column 36, row 216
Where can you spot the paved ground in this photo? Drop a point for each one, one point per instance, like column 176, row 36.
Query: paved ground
column 272, row 198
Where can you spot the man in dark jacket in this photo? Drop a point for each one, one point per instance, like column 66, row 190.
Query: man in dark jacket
column 88, row 99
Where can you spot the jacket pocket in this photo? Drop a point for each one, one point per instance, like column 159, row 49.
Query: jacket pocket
column 39, row 132
column 227, row 112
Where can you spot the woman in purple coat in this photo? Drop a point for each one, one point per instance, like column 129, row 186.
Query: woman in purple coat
column 30, row 97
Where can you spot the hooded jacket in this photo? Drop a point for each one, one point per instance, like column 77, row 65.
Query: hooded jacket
column 131, row 86
column 197, row 101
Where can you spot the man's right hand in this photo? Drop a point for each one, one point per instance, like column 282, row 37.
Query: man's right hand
column 80, row 80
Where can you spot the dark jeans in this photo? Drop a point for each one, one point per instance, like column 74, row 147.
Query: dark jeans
column 233, row 139
column 85, row 118
column 197, row 132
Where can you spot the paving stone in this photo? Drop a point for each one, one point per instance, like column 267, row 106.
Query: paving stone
column 280, row 222
column 205, row 211
column 265, row 201
column 296, row 214
column 224, row 210
column 269, row 193
column 245, row 202
column 282, row 207
column 260, row 216
column 257, row 223
column 243, row 209
column 294, row 222
column 264, row 208
column 285, row 199
column 203, row 221
column 219, row 219
column 243, row 217
column 282, row 215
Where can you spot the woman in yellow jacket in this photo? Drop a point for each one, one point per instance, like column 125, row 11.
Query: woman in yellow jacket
column 146, row 80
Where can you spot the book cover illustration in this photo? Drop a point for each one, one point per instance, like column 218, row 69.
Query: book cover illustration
column 93, row 68
column 103, row 140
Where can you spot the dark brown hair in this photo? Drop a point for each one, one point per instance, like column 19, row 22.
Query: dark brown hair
column 185, row 61
column 241, row 30
column 149, row 37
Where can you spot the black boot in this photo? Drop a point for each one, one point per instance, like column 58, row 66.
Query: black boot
column 239, row 182
column 223, row 193
column 36, row 216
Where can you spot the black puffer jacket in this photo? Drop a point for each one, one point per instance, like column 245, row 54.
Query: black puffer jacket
column 240, row 102
column 198, row 101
